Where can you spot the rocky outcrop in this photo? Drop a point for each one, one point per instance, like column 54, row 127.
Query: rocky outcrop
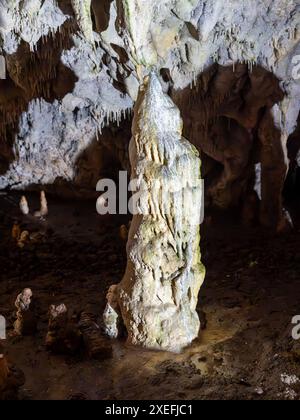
column 26, row 322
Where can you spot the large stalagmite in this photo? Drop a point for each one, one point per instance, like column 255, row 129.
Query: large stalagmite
column 158, row 294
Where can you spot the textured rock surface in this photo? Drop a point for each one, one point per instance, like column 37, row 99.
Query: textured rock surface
column 26, row 322
column 118, row 40
column 158, row 294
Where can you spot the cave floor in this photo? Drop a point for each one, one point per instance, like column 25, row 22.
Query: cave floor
column 250, row 296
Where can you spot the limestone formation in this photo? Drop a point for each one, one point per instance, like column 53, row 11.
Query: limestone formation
column 26, row 322
column 63, row 335
column 159, row 292
column 23, row 239
column 43, row 212
column 24, row 206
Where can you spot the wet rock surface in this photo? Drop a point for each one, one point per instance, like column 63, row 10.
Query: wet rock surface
column 249, row 298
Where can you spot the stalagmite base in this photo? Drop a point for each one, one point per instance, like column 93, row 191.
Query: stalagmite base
column 158, row 294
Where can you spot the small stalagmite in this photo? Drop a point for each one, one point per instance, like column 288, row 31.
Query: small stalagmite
column 24, row 237
column 63, row 335
column 43, row 212
column 97, row 346
column 24, row 207
column 26, row 322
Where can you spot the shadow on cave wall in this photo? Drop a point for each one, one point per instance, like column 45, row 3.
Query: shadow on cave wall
column 101, row 14
column 292, row 186
column 227, row 115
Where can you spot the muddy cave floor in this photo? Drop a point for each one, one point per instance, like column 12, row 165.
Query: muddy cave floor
column 250, row 295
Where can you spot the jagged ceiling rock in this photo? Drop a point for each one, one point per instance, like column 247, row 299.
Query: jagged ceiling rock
column 28, row 20
column 47, row 148
column 116, row 42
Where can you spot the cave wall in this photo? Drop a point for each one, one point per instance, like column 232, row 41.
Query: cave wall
column 74, row 68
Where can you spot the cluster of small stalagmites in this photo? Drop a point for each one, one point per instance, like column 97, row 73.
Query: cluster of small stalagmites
column 63, row 335
column 43, row 212
column 11, row 379
column 26, row 322
column 66, row 335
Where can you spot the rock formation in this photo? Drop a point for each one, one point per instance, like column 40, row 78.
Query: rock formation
column 26, row 322
column 158, row 294
column 24, row 206
column 23, row 239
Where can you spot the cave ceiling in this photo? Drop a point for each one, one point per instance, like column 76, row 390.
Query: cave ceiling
column 74, row 67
